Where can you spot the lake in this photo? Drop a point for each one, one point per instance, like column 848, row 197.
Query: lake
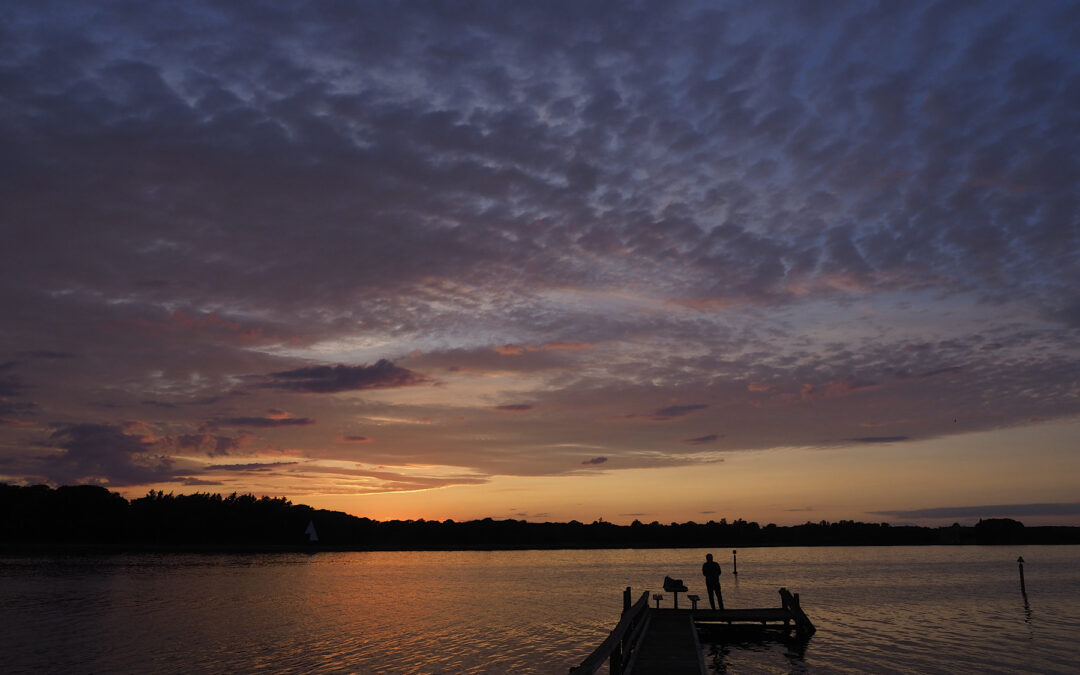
column 887, row 609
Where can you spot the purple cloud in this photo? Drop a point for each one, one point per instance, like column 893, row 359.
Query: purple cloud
column 880, row 439
column 104, row 454
column 674, row 411
column 333, row 379
column 353, row 192
column 515, row 407
column 264, row 422
column 702, row 440
column 253, row 466
column 990, row 511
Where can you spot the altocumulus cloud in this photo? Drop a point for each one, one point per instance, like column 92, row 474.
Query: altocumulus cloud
column 816, row 158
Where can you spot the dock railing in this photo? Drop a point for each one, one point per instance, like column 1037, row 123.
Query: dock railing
column 619, row 646
column 790, row 602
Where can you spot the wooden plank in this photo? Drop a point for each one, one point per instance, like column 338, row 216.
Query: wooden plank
column 669, row 647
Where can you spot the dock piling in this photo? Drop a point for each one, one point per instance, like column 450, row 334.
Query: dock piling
column 1020, row 563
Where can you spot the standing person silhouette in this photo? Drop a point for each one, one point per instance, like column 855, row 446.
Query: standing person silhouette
column 711, row 570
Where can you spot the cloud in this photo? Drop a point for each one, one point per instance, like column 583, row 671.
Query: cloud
column 212, row 445
column 804, row 234
column 486, row 361
column 47, row 354
column 356, row 439
column 989, row 511
column 264, row 422
column 675, row 411
column 200, row 482
column 701, row 440
column 251, row 466
column 515, row 407
column 518, row 350
column 13, row 413
column 333, row 379
column 104, row 454
column 880, row 439
column 11, row 385
column 159, row 404
column 595, row 461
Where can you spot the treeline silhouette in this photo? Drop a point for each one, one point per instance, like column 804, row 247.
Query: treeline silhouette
column 85, row 515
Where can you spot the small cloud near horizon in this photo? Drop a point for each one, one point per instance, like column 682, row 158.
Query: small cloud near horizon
column 988, row 511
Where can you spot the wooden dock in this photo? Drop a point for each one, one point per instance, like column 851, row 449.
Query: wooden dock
column 650, row 640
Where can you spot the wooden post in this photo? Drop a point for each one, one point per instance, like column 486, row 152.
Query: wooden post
column 790, row 602
column 1020, row 562
column 626, row 600
column 734, row 563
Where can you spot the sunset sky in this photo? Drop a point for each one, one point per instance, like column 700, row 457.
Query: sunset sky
column 780, row 261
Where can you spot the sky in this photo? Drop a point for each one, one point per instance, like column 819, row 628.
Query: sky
column 666, row 261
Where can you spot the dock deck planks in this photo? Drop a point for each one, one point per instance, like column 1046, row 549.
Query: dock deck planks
column 670, row 646
column 653, row 640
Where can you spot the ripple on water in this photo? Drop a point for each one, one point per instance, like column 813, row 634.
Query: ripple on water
column 881, row 610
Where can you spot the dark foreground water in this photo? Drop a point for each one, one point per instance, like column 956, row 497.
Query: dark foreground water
column 905, row 609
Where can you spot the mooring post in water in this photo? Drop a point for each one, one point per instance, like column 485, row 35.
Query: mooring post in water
column 626, row 600
column 1020, row 562
column 734, row 563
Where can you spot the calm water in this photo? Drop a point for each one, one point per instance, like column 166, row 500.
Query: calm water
column 918, row 609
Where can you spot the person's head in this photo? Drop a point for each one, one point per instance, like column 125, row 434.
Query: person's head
column 708, row 556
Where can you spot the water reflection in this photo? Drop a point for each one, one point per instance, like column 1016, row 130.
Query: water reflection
column 757, row 651
column 1027, row 616
column 897, row 609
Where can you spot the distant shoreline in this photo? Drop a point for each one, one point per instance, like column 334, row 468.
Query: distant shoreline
column 89, row 519
column 32, row 550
